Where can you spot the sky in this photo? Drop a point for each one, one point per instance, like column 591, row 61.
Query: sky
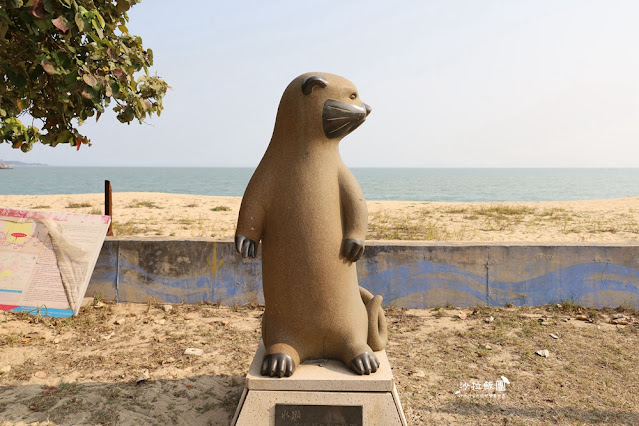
column 452, row 83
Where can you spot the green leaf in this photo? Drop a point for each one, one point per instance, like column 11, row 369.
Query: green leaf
column 100, row 19
column 4, row 17
column 42, row 24
column 80, row 22
column 19, row 80
column 97, row 28
column 3, row 29
column 14, row 4
column 48, row 5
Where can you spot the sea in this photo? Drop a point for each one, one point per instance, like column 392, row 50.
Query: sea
column 418, row 184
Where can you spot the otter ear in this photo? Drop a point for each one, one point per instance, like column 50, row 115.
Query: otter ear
column 311, row 82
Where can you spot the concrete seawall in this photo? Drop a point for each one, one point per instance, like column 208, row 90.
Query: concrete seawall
column 406, row 274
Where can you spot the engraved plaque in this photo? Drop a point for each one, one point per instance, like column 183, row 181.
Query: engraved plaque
column 318, row 415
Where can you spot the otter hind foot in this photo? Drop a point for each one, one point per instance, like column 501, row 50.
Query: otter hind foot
column 278, row 364
column 365, row 363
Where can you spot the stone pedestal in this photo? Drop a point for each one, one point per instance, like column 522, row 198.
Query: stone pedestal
column 319, row 383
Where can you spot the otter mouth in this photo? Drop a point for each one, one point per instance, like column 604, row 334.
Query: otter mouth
column 339, row 118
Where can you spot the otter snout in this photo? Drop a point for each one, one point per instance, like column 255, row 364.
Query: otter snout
column 340, row 118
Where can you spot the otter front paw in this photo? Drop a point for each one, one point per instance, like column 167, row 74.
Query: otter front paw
column 365, row 363
column 245, row 246
column 277, row 365
column 352, row 249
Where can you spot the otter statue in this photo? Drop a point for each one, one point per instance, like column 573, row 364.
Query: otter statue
column 308, row 210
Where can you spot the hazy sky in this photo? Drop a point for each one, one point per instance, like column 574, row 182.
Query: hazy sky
column 451, row 83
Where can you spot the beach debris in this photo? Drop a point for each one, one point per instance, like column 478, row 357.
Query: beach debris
column 98, row 305
column 418, row 373
column 543, row 353
column 120, row 321
column 617, row 316
column 193, row 351
column 56, row 341
column 49, row 389
column 581, row 317
column 143, row 377
column 486, row 346
column 168, row 360
column 167, row 308
column 461, row 315
column 188, row 317
column 131, row 315
column 489, row 319
column 108, row 336
column 505, row 380
column 5, row 369
column 86, row 301
column 41, row 374
column 545, row 321
column 559, row 305
column 554, row 336
column 162, row 321
column 620, row 321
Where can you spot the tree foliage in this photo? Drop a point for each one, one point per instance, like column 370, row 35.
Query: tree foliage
column 62, row 61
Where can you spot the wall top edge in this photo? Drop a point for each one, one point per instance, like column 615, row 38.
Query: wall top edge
column 397, row 242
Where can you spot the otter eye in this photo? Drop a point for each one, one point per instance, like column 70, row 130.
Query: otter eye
column 354, row 96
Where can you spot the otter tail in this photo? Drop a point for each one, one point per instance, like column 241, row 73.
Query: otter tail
column 377, row 332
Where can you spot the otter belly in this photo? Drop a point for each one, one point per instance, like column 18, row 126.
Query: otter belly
column 311, row 294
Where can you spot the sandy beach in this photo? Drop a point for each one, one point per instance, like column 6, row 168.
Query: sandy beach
column 125, row 364
column 183, row 215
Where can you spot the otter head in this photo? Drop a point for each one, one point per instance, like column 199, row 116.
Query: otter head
column 320, row 105
column 339, row 118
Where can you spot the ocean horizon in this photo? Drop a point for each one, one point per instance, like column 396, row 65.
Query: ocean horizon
column 414, row 184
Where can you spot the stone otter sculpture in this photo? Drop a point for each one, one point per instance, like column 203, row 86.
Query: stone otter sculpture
column 310, row 214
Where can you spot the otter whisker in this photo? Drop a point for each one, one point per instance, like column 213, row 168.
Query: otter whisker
column 339, row 109
column 339, row 118
column 340, row 127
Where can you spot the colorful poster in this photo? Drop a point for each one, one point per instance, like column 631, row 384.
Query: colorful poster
column 47, row 258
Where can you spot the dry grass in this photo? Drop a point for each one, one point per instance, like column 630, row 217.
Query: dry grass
column 78, row 205
column 139, row 204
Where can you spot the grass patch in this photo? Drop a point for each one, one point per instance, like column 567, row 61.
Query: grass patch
column 497, row 211
column 41, row 207
column 127, row 228
column 137, row 204
column 78, row 205
column 221, row 209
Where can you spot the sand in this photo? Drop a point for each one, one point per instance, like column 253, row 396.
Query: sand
column 182, row 215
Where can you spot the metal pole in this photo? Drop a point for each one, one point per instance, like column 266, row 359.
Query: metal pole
column 108, row 205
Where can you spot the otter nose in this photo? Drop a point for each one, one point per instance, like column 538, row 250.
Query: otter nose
column 368, row 109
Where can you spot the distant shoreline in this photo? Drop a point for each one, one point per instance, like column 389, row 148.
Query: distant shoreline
column 183, row 215
column 23, row 164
